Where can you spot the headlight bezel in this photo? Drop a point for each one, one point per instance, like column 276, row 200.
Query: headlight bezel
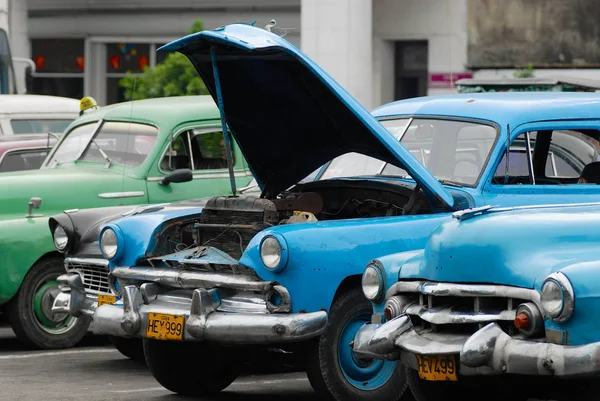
column 567, row 297
column 67, row 244
column 283, row 251
column 375, row 267
column 119, row 243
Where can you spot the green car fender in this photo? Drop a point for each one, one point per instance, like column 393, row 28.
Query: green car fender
column 23, row 242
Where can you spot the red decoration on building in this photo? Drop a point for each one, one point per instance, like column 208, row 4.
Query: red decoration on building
column 80, row 61
column 143, row 62
column 115, row 62
column 39, row 62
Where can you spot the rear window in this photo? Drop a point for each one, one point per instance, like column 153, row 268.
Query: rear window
column 32, row 126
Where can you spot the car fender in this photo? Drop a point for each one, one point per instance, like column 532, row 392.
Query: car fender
column 22, row 243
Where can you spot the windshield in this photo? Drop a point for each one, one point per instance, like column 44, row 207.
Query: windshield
column 453, row 151
column 35, row 126
column 114, row 142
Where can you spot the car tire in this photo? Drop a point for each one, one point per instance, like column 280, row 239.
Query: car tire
column 29, row 311
column 333, row 370
column 191, row 369
column 474, row 388
column 132, row 348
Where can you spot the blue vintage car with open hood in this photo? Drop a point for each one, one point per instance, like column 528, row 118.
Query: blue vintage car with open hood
column 283, row 270
column 501, row 301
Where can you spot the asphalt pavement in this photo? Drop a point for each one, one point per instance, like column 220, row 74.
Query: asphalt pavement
column 95, row 371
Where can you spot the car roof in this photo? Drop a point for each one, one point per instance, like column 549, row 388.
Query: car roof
column 37, row 104
column 513, row 108
column 165, row 111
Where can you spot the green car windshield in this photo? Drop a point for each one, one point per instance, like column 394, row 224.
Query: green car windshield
column 453, row 151
column 110, row 142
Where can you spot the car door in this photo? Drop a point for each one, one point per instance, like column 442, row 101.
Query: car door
column 544, row 166
column 202, row 150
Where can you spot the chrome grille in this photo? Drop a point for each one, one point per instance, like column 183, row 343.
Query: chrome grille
column 93, row 272
column 461, row 308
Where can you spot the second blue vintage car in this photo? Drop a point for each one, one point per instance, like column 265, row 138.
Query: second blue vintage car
column 502, row 301
column 284, row 270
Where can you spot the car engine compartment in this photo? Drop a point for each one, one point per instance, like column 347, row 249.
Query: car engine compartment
column 229, row 223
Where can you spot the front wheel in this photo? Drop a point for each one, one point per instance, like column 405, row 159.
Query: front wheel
column 190, row 368
column 333, row 369
column 30, row 314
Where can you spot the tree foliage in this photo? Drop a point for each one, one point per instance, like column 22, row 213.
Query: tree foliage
column 175, row 76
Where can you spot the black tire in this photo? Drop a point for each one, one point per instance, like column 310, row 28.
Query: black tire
column 130, row 347
column 324, row 358
column 497, row 388
column 30, row 317
column 191, row 368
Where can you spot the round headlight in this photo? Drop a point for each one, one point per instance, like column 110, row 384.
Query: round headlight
column 109, row 243
column 270, row 252
column 61, row 239
column 557, row 297
column 372, row 282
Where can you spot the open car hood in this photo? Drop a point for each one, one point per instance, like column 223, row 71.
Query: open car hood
column 288, row 116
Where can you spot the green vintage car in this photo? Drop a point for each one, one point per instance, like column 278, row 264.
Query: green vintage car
column 132, row 153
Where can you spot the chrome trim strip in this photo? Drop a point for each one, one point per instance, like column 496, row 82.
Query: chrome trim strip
column 240, row 173
column 88, row 261
column 186, row 279
column 116, row 195
column 462, row 290
column 449, row 315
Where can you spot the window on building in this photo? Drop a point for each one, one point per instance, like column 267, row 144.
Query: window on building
column 59, row 66
column 411, row 67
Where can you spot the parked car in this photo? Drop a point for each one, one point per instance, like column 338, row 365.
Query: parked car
column 147, row 151
column 24, row 152
column 284, row 269
column 501, row 301
column 36, row 114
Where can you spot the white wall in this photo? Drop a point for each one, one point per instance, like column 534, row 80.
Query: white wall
column 337, row 34
column 443, row 23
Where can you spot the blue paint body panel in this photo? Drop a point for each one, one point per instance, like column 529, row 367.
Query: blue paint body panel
column 520, row 248
column 321, row 255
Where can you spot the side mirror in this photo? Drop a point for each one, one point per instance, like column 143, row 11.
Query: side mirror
column 34, row 203
column 179, row 175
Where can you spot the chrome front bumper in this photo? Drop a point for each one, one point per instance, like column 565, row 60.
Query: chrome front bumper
column 129, row 317
column 486, row 352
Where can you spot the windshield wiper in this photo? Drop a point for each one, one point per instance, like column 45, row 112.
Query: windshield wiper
column 108, row 161
column 451, row 183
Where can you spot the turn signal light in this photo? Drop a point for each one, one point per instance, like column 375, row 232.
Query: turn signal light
column 388, row 313
column 522, row 321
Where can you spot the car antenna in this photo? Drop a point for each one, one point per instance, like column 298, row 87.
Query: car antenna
column 128, row 133
column 507, row 154
column 226, row 136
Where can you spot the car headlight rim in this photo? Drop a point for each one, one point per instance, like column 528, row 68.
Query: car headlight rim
column 109, row 243
column 273, row 252
column 567, row 297
column 61, row 239
column 373, row 282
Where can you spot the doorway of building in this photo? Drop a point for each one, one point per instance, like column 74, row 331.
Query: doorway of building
column 411, row 72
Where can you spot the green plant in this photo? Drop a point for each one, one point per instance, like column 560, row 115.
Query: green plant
column 525, row 72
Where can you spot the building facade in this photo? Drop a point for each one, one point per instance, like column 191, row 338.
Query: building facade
column 380, row 50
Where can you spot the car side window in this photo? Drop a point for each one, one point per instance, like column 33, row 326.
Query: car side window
column 208, row 150
column 23, row 160
column 557, row 157
column 178, row 153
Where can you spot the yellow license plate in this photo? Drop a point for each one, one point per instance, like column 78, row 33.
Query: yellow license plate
column 106, row 299
column 437, row 367
column 165, row 327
